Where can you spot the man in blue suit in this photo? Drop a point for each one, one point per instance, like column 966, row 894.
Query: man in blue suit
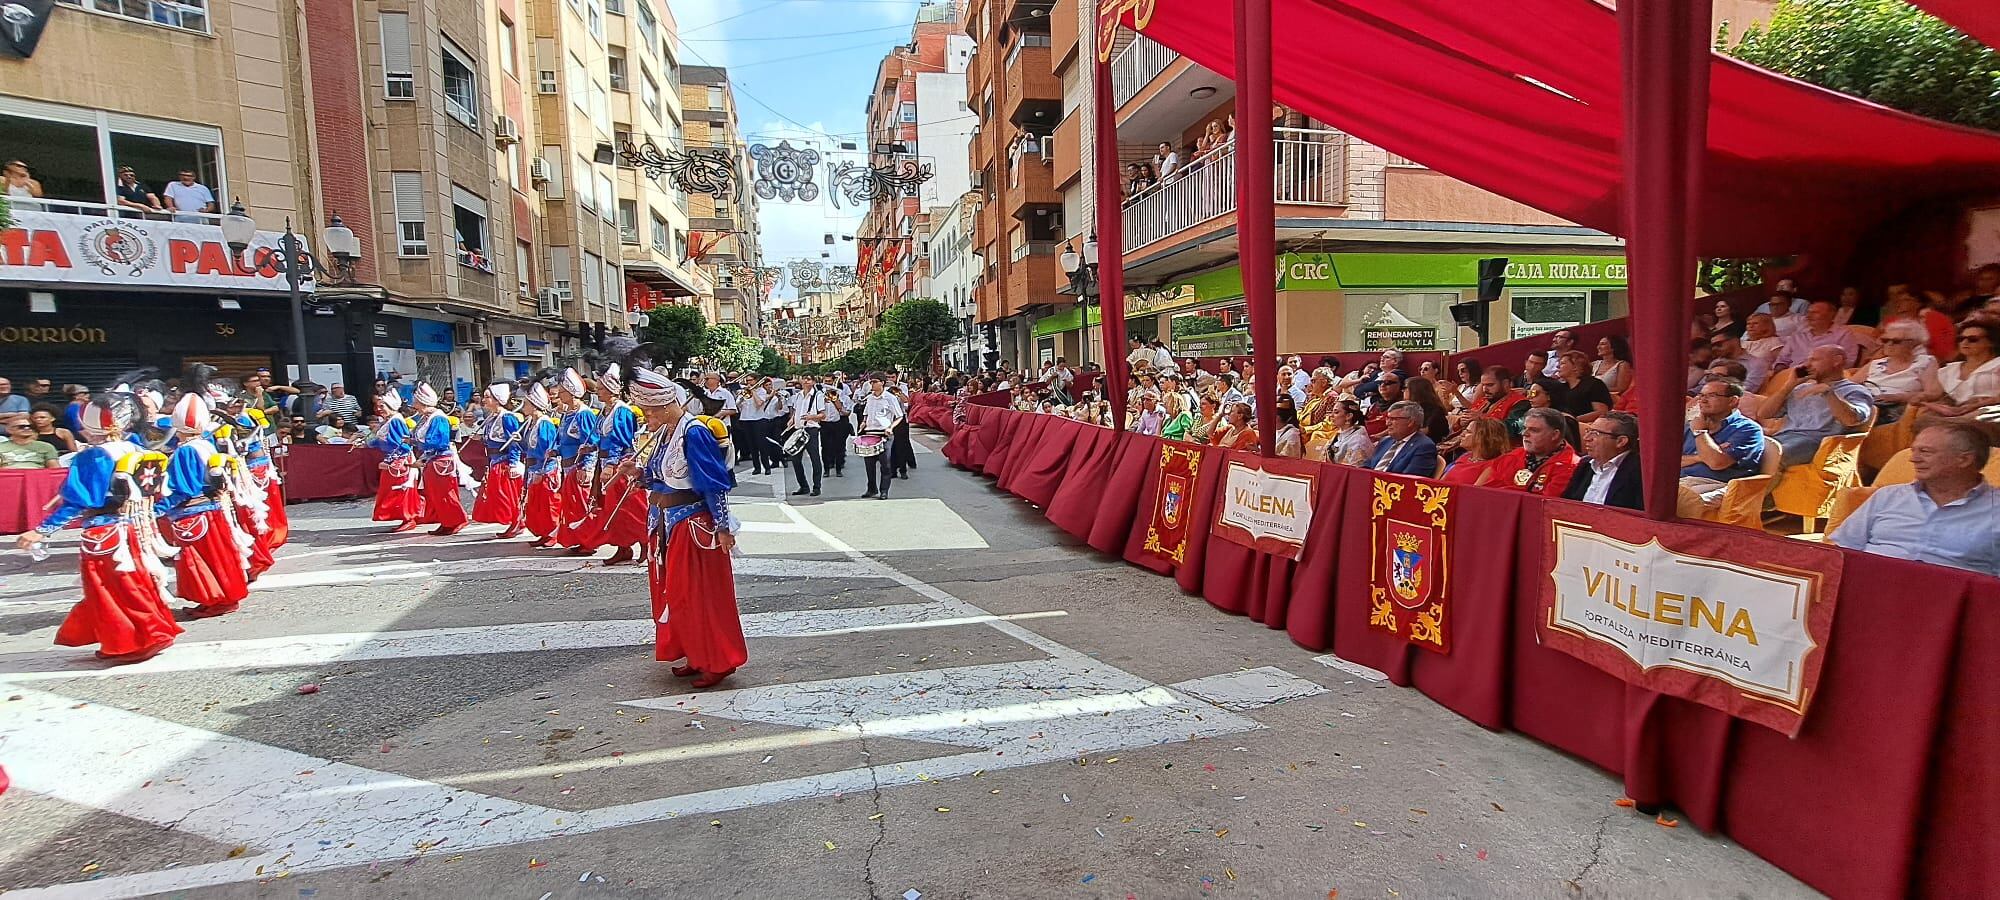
column 1405, row 449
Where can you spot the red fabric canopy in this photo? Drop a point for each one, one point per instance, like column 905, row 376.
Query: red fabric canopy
column 1524, row 99
column 1979, row 18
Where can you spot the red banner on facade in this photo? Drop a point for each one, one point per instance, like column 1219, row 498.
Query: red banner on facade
column 1409, row 571
column 1133, row 14
column 1180, row 471
column 1727, row 619
column 1267, row 504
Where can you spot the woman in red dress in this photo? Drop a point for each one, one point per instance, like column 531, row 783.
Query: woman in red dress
column 541, row 501
column 396, row 496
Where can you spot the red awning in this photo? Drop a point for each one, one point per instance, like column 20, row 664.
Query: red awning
column 1524, row 99
column 1979, row 18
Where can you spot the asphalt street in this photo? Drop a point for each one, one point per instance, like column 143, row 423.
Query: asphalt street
column 946, row 698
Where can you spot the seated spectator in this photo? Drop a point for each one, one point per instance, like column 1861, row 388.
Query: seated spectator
column 1609, row 475
column 1291, row 442
column 1388, row 392
column 1561, row 341
column 1819, row 331
column 1484, row 441
column 1147, row 418
column 1905, row 306
column 79, row 397
column 1348, row 383
column 1972, row 382
column 23, row 449
column 1849, row 311
column 1613, row 366
column 1724, row 321
column 1351, row 444
column 1460, row 392
column 43, row 419
column 1423, row 391
column 1390, row 366
column 1179, row 420
column 1824, row 403
column 1544, row 462
column 1701, row 354
column 1729, row 347
column 1904, row 374
column 1532, row 368
column 1948, row 516
column 1208, row 421
column 11, row 403
column 1584, row 397
column 1404, row 448
column 1787, row 311
column 1237, row 432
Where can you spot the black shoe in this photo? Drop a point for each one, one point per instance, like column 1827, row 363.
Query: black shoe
column 882, row 496
column 800, row 492
column 815, row 492
column 867, row 495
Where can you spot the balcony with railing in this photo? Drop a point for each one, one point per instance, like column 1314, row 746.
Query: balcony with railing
column 1136, row 66
column 1308, row 169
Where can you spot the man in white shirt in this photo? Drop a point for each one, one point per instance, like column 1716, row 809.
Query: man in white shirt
column 809, row 409
column 1948, row 516
column 833, row 433
column 1166, row 160
column 1163, row 359
column 880, row 413
column 1058, row 376
column 186, row 195
column 1141, row 356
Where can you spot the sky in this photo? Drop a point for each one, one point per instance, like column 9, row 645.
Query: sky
column 801, row 71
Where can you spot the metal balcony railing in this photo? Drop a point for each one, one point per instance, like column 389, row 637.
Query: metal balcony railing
column 1034, row 248
column 1308, row 167
column 1136, row 66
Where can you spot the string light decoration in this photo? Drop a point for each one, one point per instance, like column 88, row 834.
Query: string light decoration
column 697, row 170
column 807, row 274
column 862, row 184
column 785, row 172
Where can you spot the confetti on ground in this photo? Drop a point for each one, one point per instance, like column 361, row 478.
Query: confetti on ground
column 715, row 822
column 1625, row 802
column 1100, row 831
column 875, row 818
column 91, row 867
column 537, row 864
column 1496, row 807
column 548, row 895
column 308, row 689
column 829, row 845
column 1065, row 798
column 580, row 879
column 1481, row 854
column 944, row 809
column 1089, row 878
column 1124, row 820
column 238, row 850
column 1221, row 833
column 1665, row 821
column 913, row 894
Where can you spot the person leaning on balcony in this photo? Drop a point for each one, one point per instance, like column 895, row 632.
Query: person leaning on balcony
column 186, row 195
column 1166, row 161
column 20, row 185
column 1948, row 516
column 135, row 196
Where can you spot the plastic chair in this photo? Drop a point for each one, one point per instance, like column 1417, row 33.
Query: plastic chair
column 1743, row 499
column 1808, row 491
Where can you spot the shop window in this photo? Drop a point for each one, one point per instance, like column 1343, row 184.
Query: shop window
column 1374, row 316
column 1540, row 312
column 461, row 87
column 186, row 15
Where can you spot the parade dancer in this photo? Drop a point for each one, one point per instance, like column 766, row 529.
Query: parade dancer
column 541, row 501
column 574, row 439
column 212, row 568
column 239, row 438
column 438, row 476
column 396, row 496
column 499, row 498
column 690, row 535
column 621, row 506
column 265, row 475
column 108, row 494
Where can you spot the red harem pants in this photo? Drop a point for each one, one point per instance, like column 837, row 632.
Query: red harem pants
column 499, row 500
column 121, row 612
column 573, row 527
column 694, row 599
column 396, row 499
column 280, row 522
column 442, row 505
column 544, row 503
column 209, row 570
column 619, row 526
column 261, row 559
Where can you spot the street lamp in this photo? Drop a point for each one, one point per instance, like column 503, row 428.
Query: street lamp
column 297, row 264
column 1082, row 272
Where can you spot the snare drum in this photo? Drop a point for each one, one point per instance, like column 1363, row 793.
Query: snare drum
column 870, row 444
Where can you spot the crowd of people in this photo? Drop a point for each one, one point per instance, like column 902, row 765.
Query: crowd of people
column 1779, row 380
column 182, row 198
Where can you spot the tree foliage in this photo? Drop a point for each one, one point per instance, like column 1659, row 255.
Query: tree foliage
column 1882, row 50
column 728, row 349
column 773, row 363
column 680, row 333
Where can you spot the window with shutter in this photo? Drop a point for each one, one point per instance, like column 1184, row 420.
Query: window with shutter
column 398, row 76
column 411, row 239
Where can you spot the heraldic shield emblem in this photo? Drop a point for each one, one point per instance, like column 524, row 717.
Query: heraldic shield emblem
column 1410, row 572
column 1174, row 500
column 1410, row 563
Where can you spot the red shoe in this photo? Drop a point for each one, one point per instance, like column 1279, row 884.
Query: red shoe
column 623, row 556
column 409, row 525
column 511, row 532
column 711, row 679
column 443, row 531
column 686, row 671
column 136, row 655
column 210, row 612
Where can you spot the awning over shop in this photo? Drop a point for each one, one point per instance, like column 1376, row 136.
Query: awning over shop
column 667, row 281
column 1524, row 98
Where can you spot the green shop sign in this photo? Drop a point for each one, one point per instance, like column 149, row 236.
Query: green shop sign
column 1235, row 342
column 1377, row 271
column 1068, row 320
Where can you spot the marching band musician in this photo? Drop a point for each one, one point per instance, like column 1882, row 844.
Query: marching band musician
column 902, row 453
column 211, row 569
column 438, row 478
column 107, row 494
column 691, row 533
column 811, row 406
column 396, row 496
column 573, row 442
column 499, row 499
column 621, row 506
column 541, row 500
column 880, row 412
column 839, row 426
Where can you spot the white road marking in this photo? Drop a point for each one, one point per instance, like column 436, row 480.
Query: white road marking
column 1250, row 688
column 1352, row 668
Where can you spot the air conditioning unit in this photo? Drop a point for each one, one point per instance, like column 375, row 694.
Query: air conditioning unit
column 468, row 334
column 505, row 131
column 978, row 180
column 538, row 171
column 552, row 300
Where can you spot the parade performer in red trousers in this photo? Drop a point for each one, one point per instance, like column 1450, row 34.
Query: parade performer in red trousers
column 212, row 568
column 439, row 474
column 574, row 441
column 621, row 511
column 255, row 428
column 499, row 499
column 397, row 498
column 690, row 537
column 109, row 495
column 239, row 437
column 540, row 501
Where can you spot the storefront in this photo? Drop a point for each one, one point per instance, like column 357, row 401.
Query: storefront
column 1356, row 301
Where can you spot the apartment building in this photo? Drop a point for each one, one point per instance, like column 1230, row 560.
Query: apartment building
column 654, row 231
column 209, row 87
column 728, row 225
column 948, row 277
column 1018, row 226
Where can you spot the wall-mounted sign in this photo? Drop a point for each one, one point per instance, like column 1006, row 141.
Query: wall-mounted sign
column 68, row 250
column 515, row 346
column 1399, row 338
column 1221, row 343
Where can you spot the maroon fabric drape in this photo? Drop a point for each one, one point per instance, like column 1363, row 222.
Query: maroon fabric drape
column 24, row 497
column 328, row 471
column 1902, row 723
column 1979, row 18
column 1110, row 233
column 1791, row 166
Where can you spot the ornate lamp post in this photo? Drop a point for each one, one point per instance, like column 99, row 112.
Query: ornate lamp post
column 298, row 264
column 1082, row 272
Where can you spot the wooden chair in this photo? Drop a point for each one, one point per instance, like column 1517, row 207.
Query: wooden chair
column 1807, row 491
column 1897, row 470
column 1743, row 499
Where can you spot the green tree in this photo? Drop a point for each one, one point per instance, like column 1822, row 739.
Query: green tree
column 905, row 337
column 1882, row 50
column 730, row 350
column 774, row 363
column 6, row 214
column 679, row 333
column 1189, row 326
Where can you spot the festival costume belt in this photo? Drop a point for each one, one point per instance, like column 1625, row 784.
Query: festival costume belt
column 673, row 499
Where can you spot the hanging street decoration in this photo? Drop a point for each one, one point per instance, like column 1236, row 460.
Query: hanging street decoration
column 785, row 172
column 842, row 276
column 807, row 274
column 697, row 170
column 862, row 184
